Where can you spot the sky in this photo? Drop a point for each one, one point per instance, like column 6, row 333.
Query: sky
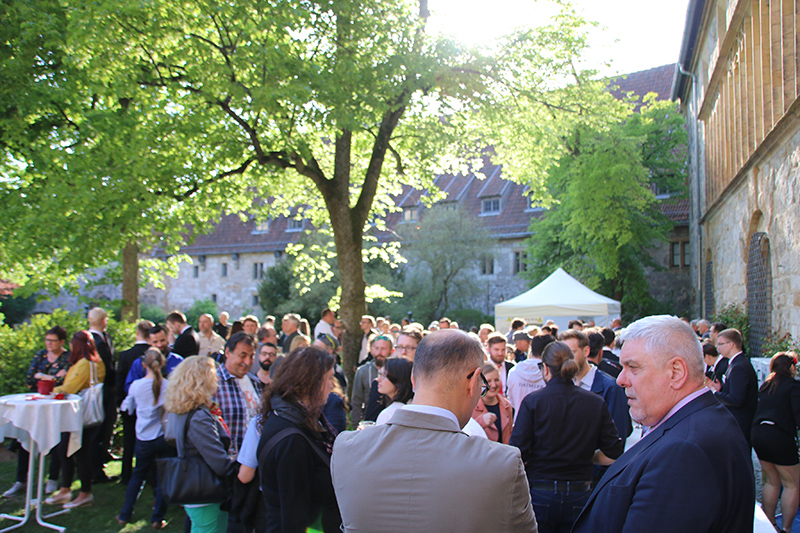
column 635, row 37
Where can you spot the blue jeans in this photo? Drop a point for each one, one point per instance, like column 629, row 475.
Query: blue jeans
column 556, row 512
column 146, row 453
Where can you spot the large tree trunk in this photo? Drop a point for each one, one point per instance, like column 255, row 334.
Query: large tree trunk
column 130, row 282
column 353, row 303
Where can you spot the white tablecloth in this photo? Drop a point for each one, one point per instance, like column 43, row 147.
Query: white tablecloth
column 43, row 419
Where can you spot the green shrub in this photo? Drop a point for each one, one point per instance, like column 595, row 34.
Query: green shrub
column 200, row 307
column 153, row 313
column 18, row 345
column 775, row 343
column 734, row 316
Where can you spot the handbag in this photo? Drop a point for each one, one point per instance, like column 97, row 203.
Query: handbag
column 92, row 400
column 188, row 480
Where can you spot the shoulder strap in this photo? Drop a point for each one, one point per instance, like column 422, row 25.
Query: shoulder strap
column 279, row 436
column 186, row 431
column 92, row 373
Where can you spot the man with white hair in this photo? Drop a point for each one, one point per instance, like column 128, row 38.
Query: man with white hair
column 692, row 471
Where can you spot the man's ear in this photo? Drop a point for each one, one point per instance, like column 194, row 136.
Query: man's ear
column 679, row 372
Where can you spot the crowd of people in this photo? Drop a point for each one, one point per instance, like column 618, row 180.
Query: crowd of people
column 522, row 430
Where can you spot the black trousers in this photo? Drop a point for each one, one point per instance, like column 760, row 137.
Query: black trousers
column 128, row 445
column 80, row 460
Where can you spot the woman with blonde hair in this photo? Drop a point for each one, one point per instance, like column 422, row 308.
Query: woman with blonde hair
column 192, row 384
column 300, row 341
column 145, row 399
column 493, row 412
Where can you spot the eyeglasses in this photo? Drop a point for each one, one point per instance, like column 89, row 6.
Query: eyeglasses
column 382, row 374
column 723, row 343
column 540, row 364
column 404, row 348
column 484, row 385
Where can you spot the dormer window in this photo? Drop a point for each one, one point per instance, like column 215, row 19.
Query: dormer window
column 410, row 214
column 533, row 205
column 490, row 206
column 262, row 226
column 295, row 225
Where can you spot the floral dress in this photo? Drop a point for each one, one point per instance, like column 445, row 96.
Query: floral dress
column 41, row 364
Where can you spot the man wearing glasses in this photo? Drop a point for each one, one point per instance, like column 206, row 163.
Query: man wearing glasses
column 445, row 480
column 739, row 390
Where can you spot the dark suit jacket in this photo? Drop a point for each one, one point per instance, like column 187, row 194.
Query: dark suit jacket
column 187, row 343
column 719, row 371
column 126, row 359
column 692, row 473
column 615, row 399
column 739, row 392
column 106, row 353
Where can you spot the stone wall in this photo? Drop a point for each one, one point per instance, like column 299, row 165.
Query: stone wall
column 768, row 200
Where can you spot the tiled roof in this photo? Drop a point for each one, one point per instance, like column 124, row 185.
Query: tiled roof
column 656, row 80
column 231, row 235
column 676, row 210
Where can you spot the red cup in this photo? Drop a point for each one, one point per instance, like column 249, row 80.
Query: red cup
column 45, row 386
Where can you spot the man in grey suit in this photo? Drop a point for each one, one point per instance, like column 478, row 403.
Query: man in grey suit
column 420, row 472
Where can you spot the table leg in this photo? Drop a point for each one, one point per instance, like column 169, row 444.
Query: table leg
column 28, row 492
column 29, row 501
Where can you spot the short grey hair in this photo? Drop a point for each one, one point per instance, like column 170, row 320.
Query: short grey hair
column 666, row 337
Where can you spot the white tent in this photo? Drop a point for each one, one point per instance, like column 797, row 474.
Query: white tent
column 559, row 298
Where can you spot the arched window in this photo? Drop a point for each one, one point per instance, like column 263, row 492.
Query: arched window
column 759, row 291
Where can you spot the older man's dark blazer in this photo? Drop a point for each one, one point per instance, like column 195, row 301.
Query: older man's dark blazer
column 692, row 473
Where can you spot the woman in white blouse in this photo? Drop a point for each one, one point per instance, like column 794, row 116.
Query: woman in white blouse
column 146, row 397
column 394, row 381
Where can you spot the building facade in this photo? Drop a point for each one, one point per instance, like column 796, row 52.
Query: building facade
column 738, row 86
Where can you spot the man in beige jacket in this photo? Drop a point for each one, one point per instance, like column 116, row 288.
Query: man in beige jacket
column 420, row 472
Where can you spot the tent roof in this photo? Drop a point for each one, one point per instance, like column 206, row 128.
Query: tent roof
column 561, row 295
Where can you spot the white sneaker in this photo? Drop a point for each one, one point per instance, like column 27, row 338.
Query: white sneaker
column 52, row 485
column 15, row 488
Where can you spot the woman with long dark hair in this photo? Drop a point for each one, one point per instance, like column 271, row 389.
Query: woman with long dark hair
column 394, row 382
column 85, row 367
column 773, row 434
column 146, row 398
column 561, row 431
column 296, row 443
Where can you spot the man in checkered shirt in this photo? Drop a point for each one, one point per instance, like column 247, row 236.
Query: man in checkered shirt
column 239, row 393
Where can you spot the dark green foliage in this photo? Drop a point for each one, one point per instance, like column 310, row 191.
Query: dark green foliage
column 200, row 307
column 16, row 309
column 734, row 317
column 153, row 313
column 606, row 216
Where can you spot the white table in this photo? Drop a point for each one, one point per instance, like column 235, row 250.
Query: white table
column 37, row 422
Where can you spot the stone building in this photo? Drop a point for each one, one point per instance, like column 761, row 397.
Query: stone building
column 738, row 86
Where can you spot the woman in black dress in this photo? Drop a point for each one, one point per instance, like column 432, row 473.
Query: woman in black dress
column 773, row 434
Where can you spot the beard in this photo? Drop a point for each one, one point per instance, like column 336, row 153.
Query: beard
column 379, row 362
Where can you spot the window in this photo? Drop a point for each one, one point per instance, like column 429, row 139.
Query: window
column 533, row 205
column 258, row 270
column 255, row 299
column 294, row 225
column 214, row 298
column 487, row 266
column 410, row 214
column 679, row 254
column 520, row 262
column 490, row 206
column 195, row 271
column 224, row 270
column 262, row 226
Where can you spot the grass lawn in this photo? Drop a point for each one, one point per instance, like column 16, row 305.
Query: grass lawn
column 100, row 517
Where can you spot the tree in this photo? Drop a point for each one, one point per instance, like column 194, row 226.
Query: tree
column 199, row 108
column 443, row 252
column 607, row 216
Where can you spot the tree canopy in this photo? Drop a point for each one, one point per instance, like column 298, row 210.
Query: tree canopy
column 607, row 217
column 131, row 122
